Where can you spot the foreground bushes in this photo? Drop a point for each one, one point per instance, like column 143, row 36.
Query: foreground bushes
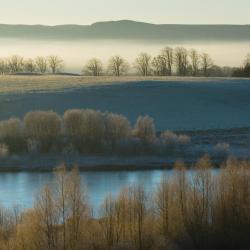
column 197, row 209
column 85, row 131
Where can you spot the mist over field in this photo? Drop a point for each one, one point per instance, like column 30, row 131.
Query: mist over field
column 226, row 44
column 125, row 125
column 76, row 53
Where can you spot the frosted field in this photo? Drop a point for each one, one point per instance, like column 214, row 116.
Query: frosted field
column 175, row 103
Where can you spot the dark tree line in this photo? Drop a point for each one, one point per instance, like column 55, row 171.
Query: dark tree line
column 243, row 71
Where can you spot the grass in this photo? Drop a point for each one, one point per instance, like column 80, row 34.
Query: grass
column 41, row 83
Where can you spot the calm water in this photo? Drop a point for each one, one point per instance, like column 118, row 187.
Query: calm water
column 22, row 188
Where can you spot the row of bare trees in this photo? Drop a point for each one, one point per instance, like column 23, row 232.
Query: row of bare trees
column 178, row 61
column 181, row 60
column 85, row 131
column 201, row 209
column 17, row 64
column 170, row 61
column 117, row 66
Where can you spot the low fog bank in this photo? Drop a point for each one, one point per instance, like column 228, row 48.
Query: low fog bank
column 77, row 53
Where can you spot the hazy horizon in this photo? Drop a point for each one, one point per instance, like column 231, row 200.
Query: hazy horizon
column 77, row 53
column 118, row 20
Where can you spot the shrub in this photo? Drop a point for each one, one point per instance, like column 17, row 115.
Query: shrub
column 73, row 126
column 169, row 138
column 11, row 134
column 221, row 150
column 4, row 152
column 172, row 142
column 117, row 128
column 145, row 129
column 84, row 129
column 184, row 139
column 93, row 129
column 44, row 127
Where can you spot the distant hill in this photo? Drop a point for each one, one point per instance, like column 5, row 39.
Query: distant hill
column 126, row 29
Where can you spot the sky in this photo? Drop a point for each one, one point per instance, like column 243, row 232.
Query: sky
column 53, row 12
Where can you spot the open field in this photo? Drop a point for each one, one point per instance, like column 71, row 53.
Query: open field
column 174, row 103
column 45, row 83
column 180, row 104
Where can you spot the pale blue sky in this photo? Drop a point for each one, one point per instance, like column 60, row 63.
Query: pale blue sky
column 51, row 12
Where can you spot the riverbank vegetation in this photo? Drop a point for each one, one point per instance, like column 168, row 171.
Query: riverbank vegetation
column 202, row 210
column 170, row 61
column 87, row 132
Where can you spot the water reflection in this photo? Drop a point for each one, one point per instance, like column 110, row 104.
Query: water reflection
column 21, row 188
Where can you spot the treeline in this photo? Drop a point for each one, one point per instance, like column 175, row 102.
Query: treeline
column 243, row 71
column 170, row 61
column 17, row 64
column 85, row 131
column 197, row 209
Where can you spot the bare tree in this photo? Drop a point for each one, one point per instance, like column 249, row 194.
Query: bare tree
column 78, row 208
column 117, row 65
column 206, row 63
column 3, row 66
column 168, row 54
column 159, row 65
column 55, row 63
column 142, row 63
column 139, row 211
column 41, row 64
column 48, row 218
column 94, row 67
column 29, row 65
column 15, row 64
column 195, row 61
column 108, row 222
column 162, row 201
column 61, row 200
column 181, row 60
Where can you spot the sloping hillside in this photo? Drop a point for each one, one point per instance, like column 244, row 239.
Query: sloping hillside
column 126, row 29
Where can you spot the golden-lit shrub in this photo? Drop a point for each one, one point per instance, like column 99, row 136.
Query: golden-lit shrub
column 145, row 129
column 117, row 128
column 43, row 127
column 11, row 134
column 4, row 151
column 197, row 208
column 84, row 128
column 86, row 131
column 170, row 139
column 73, row 124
